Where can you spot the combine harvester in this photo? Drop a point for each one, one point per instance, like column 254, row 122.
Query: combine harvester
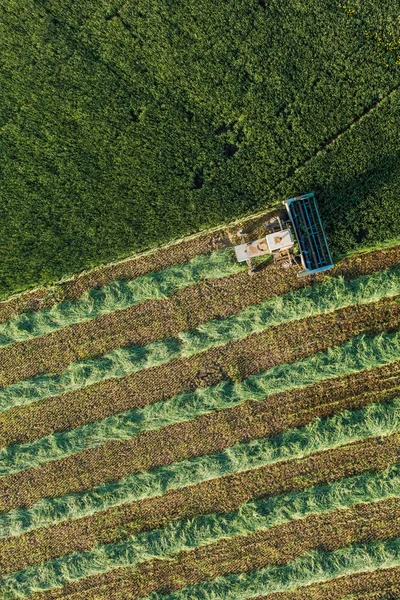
column 301, row 226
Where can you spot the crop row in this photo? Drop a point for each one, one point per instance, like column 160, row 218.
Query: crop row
column 384, row 582
column 207, row 530
column 368, row 585
column 126, row 270
column 319, row 435
column 244, row 554
column 219, row 495
column 146, row 322
column 312, row 567
column 118, row 295
column 256, row 514
column 236, row 360
column 145, row 454
column 332, row 294
column 278, row 546
column 353, row 356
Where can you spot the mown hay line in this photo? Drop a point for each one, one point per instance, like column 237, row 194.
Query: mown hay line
column 218, row 495
column 278, row 545
column 118, row 295
column 357, row 355
column 236, row 360
column 351, row 587
column 151, row 320
column 181, row 536
column 321, row 434
column 331, row 295
column 197, row 440
column 312, row 567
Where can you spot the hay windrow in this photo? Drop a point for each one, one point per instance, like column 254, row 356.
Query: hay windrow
column 236, row 361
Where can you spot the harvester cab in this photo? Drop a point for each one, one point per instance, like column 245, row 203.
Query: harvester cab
column 293, row 239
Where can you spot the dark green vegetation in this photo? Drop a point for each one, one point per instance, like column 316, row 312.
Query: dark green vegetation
column 125, row 125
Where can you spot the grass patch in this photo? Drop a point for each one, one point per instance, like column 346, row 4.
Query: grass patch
column 332, row 294
column 319, row 435
column 358, row 354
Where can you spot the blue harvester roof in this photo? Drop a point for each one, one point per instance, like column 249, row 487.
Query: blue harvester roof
column 307, row 225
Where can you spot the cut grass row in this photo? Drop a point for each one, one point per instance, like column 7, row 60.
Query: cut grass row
column 255, row 515
column 239, row 430
column 236, row 360
column 247, row 525
column 146, row 322
column 32, row 506
column 213, row 431
column 354, row 356
column 385, row 584
column 312, row 567
column 278, row 546
column 119, row 295
column 331, row 295
column 219, row 495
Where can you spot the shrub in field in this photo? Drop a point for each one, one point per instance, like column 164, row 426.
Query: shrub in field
column 183, row 535
column 319, row 435
column 332, row 294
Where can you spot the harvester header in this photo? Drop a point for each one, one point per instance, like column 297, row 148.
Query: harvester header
column 295, row 239
column 306, row 222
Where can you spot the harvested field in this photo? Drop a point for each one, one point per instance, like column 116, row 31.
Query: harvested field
column 385, row 584
column 191, row 321
column 146, row 450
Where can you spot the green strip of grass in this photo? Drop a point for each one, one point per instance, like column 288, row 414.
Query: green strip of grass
column 319, row 435
column 356, row 355
column 313, row 567
column 332, row 294
column 183, row 535
column 118, row 295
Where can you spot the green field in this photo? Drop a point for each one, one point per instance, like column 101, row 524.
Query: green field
column 123, row 126
column 174, row 425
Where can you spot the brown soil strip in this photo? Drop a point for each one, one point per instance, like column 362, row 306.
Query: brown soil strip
column 213, row 432
column 218, row 495
column 256, row 353
column 146, row 322
column 383, row 584
column 161, row 258
column 236, row 360
column 278, row 545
